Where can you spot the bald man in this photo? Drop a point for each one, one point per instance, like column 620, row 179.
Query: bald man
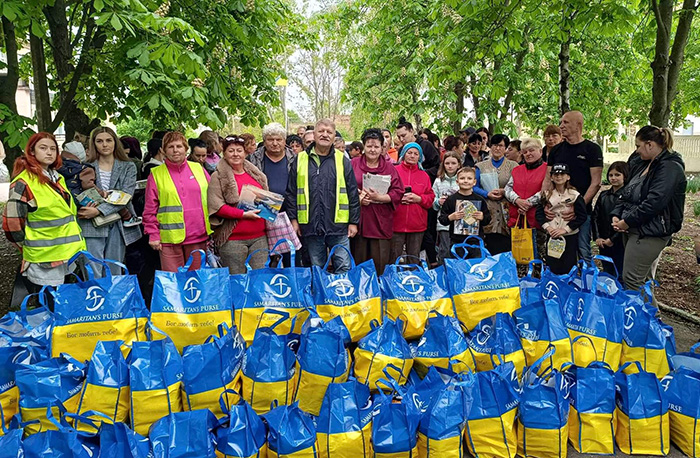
column 585, row 161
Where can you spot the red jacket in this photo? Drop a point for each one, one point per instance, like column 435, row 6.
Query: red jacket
column 414, row 217
column 526, row 183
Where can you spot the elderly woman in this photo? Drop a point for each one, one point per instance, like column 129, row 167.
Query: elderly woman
column 373, row 239
column 523, row 188
column 40, row 215
column 108, row 228
column 237, row 233
column 411, row 216
column 274, row 158
column 175, row 216
column 496, row 170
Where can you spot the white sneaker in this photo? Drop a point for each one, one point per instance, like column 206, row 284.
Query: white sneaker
column 134, row 221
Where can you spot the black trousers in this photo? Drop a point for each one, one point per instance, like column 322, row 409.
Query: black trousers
column 568, row 259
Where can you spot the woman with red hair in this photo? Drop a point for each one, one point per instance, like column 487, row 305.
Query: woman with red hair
column 175, row 216
column 40, row 216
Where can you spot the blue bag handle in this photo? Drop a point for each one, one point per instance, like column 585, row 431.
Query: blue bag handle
column 397, row 369
column 283, row 316
column 695, row 347
column 629, row 363
column 646, row 288
column 547, row 354
column 104, row 262
column 531, row 267
column 203, row 262
column 609, row 260
column 387, row 384
column 292, row 252
column 41, row 295
column 464, row 246
column 421, row 262
column 330, row 255
column 583, row 336
column 85, row 418
column 223, row 399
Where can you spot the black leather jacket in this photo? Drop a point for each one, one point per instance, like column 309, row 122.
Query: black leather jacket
column 657, row 210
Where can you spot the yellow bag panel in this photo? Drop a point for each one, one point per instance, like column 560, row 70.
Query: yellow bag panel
column 79, row 339
column 113, row 402
column 210, row 399
column 29, row 414
column 445, row 448
column 463, row 362
column 412, row 454
column 189, row 328
column 9, row 402
column 263, row 453
column 652, row 360
column 356, row 317
column 685, row 433
column 475, row 306
column 356, row 444
column 535, row 349
column 311, row 388
column 596, row 432
column 646, row 436
column 150, row 406
column 415, row 314
column 542, row 443
column 485, row 437
column 584, row 354
column 485, row 363
column 368, row 371
column 260, row 395
column 306, row 453
column 247, row 321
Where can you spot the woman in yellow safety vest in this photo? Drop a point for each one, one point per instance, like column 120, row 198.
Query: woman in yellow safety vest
column 175, row 216
column 40, row 216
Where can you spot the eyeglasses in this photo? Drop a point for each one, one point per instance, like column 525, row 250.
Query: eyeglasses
column 234, row 139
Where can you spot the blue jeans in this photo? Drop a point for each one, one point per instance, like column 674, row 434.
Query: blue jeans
column 319, row 246
column 584, row 240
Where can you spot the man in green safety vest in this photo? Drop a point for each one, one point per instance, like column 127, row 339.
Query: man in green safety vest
column 322, row 200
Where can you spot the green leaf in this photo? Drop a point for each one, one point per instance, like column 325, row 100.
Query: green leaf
column 116, row 23
column 153, row 102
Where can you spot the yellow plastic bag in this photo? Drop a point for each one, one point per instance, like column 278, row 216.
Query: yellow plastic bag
column 523, row 242
column 344, row 423
column 412, row 292
column 383, row 347
column 591, row 417
column 494, row 339
column 106, row 388
column 155, row 376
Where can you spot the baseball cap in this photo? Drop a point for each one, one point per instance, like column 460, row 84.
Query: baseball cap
column 560, row 168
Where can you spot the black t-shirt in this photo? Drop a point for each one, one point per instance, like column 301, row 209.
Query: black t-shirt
column 580, row 157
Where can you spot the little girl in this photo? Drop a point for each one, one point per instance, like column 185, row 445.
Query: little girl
column 610, row 242
column 562, row 240
column 444, row 186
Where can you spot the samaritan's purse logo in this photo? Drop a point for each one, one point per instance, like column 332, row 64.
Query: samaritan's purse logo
column 482, row 272
column 343, row 287
column 280, row 286
column 94, row 295
column 412, row 285
column 192, row 291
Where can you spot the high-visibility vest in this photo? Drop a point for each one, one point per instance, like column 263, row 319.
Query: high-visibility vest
column 171, row 218
column 342, row 204
column 52, row 232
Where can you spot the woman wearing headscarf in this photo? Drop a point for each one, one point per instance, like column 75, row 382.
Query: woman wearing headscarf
column 411, row 217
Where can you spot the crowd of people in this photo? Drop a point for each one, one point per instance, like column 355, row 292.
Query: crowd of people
column 388, row 195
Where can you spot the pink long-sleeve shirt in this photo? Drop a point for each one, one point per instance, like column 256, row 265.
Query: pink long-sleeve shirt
column 190, row 195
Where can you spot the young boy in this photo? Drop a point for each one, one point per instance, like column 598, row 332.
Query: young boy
column 465, row 212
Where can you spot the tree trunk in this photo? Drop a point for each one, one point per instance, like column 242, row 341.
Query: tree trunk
column 475, row 101
column 9, row 83
column 663, row 13
column 564, row 76
column 416, row 116
column 41, row 85
column 680, row 40
column 459, row 107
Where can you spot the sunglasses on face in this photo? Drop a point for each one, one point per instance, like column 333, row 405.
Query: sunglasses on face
column 234, row 139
